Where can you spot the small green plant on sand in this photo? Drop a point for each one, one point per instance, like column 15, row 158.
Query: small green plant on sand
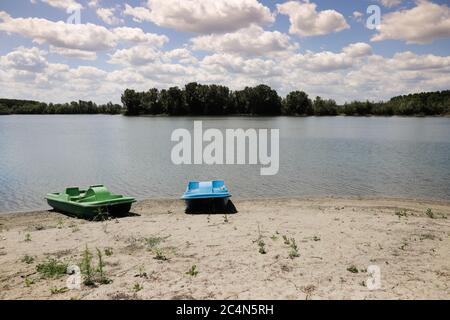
column 430, row 213
column 401, row 213
column 27, row 237
column 142, row 273
column 108, row 252
column 352, row 269
column 86, row 268
column 260, row 242
column 286, row 240
column 55, row 290
column 28, row 282
column 293, row 253
column 316, row 238
column 159, row 255
column 52, row 268
column 27, row 259
column 59, row 223
column 101, row 215
column 137, row 287
column 153, row 242
column 102, row 278
column 193, row 271
column 274, row 237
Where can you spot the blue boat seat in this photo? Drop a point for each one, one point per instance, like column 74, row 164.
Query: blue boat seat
column 206, row 190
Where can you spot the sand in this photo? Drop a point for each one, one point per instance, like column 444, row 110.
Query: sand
column 337, row 239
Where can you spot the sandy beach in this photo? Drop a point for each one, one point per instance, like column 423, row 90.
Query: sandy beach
column 247, row 255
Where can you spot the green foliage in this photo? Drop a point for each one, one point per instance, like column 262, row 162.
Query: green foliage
column 323, row 107
column 352, row 269
column 193, row 272
column 52, row 268
column 93, row 275
column 293, row 253
column 153, row 242
column 55, row 290
column 27, row 259
column 260, row 242
column 102, row 279
column 4, row 109
column 11, row 106
column 159, row 255
column 86, row 268
column 28, row 282
column 430, row 213
column 137, row 287
column 297, row 103
column 199, row 99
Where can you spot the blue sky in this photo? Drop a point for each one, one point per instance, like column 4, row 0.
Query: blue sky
column 320, row 46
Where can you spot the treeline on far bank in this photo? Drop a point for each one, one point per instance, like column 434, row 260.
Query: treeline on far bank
column 14, row 106
column 198, row 99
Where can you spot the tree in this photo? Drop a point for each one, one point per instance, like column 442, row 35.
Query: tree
column 297, row 103
column 131, row 100
column 175, row 102
column 324, row 107
column 4, row 109
column 150, row 102
column 193, row 97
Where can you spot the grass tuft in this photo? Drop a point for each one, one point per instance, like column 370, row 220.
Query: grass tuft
column 352, row 269
column 27, row 259
column 193, row 271
column 52, row 268
column 293, row 253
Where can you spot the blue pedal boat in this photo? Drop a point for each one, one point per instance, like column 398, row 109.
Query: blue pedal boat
column 200, row 193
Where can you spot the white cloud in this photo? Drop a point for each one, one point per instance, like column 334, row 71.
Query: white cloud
column 135, row 56
column 390, row 3
column 358, row 16
column 411, row 61
column 93, row 3
column 138, row 35
column 182, row 55
column 307, row 21
column 63, row 4
column 250, row 41
column 26, row 59
column 327, row 61
column 74, row 53
column 88, row 72
column 139, row 14
column 107, row 15
column 222, row 63
column 359, row 49
column 422, row 24
column 203, row 16
column 86, row 37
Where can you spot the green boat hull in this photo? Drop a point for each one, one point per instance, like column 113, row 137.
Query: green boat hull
column 120, row 209
column 95, row 202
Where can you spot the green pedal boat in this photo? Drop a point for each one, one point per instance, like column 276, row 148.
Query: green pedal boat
column 90, row 203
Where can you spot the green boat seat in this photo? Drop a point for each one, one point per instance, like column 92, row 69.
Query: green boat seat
column 73, row 191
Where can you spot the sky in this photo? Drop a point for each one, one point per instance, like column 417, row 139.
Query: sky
column 64, row 50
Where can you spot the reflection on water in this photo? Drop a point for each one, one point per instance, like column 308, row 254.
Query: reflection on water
column 341, row 156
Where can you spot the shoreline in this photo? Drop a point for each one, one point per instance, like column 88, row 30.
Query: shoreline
column 430, row 201
column 151, row 255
